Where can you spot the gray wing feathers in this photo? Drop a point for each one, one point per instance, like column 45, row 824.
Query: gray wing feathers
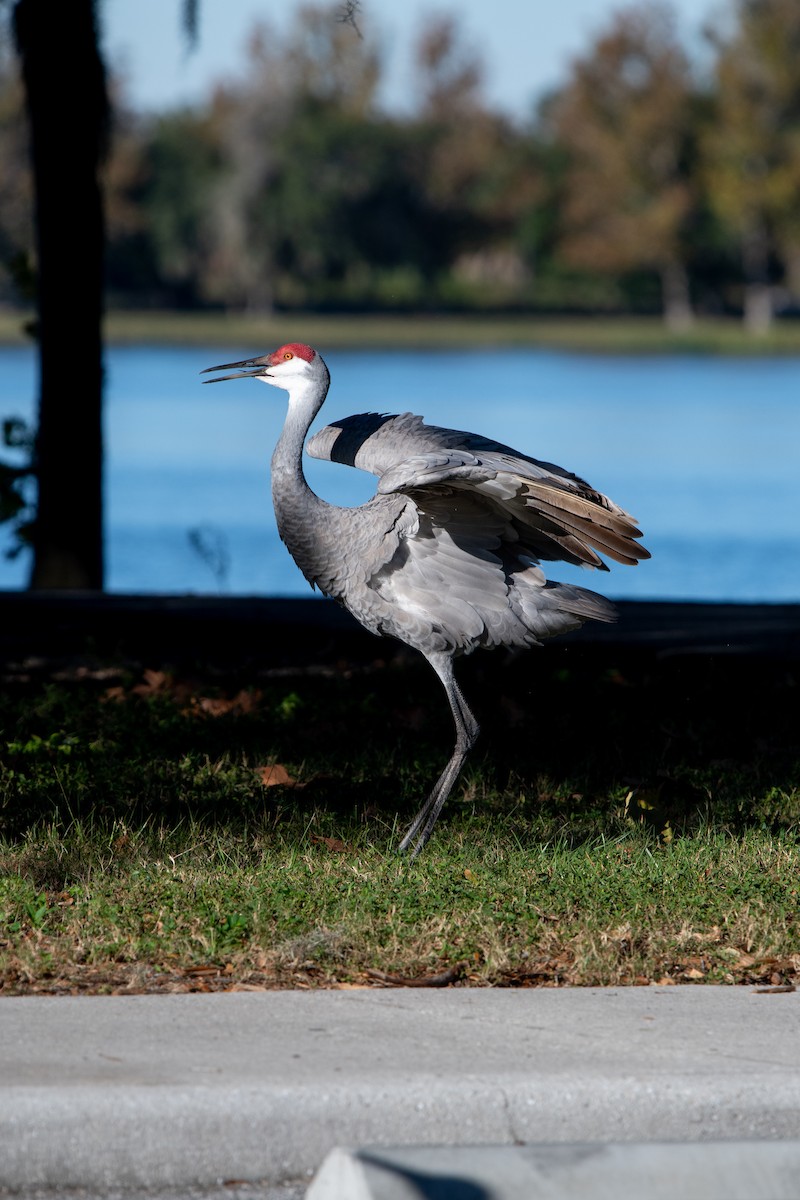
column 556, row 515
column 446, row 555
column 424, row 470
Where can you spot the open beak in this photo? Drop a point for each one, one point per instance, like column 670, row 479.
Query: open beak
column 253, row 368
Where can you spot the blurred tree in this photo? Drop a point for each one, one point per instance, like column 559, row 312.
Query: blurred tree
column 131, row 270
column 298, row 154
column 751, row 148
column 16, row 191
column 66, row 100
column 67, row 104
column 472, row 168
column 17, row 282
column 315, row 197
column 556, row 284
column 624, row 123
column 292, row 187
column 171, row 170
column 449, row 83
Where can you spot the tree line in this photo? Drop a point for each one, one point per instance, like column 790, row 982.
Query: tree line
column 643, row 183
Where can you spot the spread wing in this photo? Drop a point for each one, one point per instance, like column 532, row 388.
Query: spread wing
column 554, row 514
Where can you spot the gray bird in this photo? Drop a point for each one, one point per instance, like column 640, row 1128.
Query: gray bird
column 446, row 556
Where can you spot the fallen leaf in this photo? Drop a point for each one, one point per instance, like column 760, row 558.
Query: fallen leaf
column 210, row 706
column 155, row 683
column 242, row 703
column 276, row 775
column 247, row 700
column 334, row 844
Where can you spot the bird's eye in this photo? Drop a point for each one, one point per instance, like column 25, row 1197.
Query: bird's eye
column 288, row 354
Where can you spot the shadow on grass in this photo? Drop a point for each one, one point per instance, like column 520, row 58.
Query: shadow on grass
column 576, row 743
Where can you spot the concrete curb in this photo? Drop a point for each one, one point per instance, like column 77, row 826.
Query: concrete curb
column 172, row 1091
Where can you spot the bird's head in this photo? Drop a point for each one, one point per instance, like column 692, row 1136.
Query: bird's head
column 286, row 367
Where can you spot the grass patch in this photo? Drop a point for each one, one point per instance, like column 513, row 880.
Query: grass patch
column 624, row 822
column 620, row 335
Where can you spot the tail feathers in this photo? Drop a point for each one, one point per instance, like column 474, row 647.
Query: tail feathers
column 550, row 609
column 579, row 602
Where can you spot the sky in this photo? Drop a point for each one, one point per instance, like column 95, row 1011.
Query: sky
column 526, row 45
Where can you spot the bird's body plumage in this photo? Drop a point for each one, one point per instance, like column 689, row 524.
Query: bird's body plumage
column 446, row 556
column 460, row 548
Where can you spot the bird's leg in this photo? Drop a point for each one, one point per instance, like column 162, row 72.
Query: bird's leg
column 467, row 730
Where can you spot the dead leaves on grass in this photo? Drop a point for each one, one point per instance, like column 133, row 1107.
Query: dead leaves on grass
column 557, row 970
column 186, row 696
column 269, row 971
column 628, row 958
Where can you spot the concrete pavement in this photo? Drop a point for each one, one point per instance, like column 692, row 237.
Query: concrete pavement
column 172, row 1091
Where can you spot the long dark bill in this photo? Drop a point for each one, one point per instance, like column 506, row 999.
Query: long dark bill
column 257, row 366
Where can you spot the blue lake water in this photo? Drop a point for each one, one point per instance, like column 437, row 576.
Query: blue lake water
column 704, row 451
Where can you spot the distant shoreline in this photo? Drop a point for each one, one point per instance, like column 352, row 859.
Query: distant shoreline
column 602, row 334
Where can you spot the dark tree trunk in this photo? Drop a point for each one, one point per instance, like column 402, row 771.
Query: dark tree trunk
column 678, row 314
column 758, row 297
column 791, row 261
column 67, row 106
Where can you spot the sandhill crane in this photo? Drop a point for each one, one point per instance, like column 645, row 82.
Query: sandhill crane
column 446, row 556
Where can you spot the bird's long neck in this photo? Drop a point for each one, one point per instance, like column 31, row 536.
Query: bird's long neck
column 298, row 509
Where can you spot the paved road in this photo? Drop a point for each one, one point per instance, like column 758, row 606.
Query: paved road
column 174, row 1091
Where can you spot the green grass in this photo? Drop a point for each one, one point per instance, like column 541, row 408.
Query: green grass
column 625, row 335
column 621, row 823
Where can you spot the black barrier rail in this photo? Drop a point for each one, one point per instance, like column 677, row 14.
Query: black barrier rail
column 294, row 630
